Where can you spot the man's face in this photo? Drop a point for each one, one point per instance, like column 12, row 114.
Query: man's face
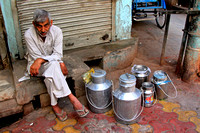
column 43, row 27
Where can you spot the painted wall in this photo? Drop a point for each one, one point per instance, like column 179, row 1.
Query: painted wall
column 123, row 19
column 9, row 24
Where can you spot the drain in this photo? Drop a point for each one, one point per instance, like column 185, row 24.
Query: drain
column 6, row 121
column 36, row 102
column 71, row 85
column 96, row 63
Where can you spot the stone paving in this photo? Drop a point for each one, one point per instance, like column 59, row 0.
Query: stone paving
column 165, row 117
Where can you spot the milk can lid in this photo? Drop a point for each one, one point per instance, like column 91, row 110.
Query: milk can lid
column 160, row 75
column 98, row 73
column 127, row 78
column 140, row 70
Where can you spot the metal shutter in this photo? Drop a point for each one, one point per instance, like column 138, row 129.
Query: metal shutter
column 83, row 22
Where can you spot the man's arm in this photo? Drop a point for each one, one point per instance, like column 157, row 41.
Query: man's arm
column 34, row 69
column 63, row 68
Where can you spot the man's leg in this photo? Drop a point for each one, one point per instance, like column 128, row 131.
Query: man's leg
column 77, row 105
column 62, row 115
column 57, row 87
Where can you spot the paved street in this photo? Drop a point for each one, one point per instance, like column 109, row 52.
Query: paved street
column 162, row 117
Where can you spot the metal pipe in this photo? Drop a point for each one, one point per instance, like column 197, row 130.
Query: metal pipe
column 191, row 63
column 183, row 48
column 165, row 40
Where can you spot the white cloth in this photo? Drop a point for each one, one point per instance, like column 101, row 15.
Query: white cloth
column 50, row 50
column 55, row 81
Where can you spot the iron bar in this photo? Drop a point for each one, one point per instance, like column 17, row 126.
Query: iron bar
column 183, row 47
column 165, row 39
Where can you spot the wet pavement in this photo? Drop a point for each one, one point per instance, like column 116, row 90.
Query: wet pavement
column 172, row 115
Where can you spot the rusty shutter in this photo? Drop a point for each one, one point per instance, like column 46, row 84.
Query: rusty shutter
column 83, row 22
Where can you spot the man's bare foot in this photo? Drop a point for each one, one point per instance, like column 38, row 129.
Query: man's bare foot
column 80, row 109
column 61, row 114
column 82, row 112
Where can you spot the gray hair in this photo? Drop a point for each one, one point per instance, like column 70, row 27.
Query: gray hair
column 41, row 15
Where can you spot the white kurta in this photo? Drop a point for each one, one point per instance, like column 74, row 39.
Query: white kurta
column 50, row 50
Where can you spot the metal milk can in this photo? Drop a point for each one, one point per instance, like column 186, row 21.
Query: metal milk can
column 99, row 92
column 161, row 81
column 148, row 89
column 127, row 100
column 141, row 73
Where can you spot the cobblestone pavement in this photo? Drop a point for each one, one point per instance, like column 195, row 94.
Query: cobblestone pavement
column 166, row 117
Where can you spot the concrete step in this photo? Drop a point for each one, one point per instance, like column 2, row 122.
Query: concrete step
column 8, row 104
column 9, row 107
column 6, row 90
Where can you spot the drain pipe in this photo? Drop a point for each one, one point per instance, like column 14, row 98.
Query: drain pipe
column 191, row 63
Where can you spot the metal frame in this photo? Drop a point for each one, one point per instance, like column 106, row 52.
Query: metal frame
column 183, row 43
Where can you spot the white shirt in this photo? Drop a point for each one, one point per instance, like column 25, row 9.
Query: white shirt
column 50, row 50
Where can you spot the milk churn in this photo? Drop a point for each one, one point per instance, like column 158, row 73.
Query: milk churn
column 148, row 90
column 127, row 100
column 162, row 81
column 99, row 92
column 141, row 73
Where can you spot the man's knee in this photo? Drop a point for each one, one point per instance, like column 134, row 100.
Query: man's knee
column 54, row 64
column 50, row 67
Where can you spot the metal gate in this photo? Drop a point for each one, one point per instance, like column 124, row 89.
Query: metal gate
column 83, row 22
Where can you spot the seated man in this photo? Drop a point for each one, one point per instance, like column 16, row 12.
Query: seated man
column 44, row 54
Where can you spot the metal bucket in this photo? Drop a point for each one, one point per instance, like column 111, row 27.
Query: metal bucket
column 141, row 72
column 148, row 89
column 161, row 81
column 127, row 100
column 99, row 92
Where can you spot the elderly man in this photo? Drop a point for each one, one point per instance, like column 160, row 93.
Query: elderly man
column 44, row 54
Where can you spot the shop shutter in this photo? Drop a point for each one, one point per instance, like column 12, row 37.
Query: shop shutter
column 83, row 22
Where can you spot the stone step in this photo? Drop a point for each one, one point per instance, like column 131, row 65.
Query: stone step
column 6, row 91
column 9, row 107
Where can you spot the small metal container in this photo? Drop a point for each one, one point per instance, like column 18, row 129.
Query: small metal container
column 148, row 89
column 141, row 73
column 162, row 84
column 99, row 92
column 160, row 81
column 127, row 100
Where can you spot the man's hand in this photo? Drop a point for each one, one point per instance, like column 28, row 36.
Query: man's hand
column 34, row 69
column 63, row 69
